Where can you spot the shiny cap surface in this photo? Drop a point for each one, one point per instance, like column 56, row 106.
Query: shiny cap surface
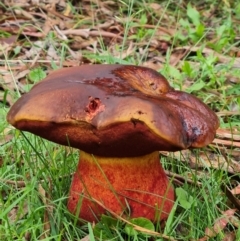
column 114, row 110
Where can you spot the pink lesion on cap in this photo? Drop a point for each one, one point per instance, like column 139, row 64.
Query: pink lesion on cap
column 94, row 107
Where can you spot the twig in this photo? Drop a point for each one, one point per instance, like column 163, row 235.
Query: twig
column 18, row 184
column 226, row 143
column 184, row 179
column 230, row 196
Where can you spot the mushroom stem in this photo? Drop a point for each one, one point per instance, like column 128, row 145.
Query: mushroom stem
column 136, row 186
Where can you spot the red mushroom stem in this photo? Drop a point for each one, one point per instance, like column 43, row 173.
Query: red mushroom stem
column 137, row 183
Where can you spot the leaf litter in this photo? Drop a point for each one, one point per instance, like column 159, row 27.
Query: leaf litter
column 26, row 27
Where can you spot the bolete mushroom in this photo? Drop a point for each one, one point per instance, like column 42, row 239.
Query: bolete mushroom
column 120, row 117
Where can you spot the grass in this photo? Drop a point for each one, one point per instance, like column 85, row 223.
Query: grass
column 198, row 56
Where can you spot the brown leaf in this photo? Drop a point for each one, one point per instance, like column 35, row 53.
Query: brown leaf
column 24, row 13
column 153, row 65
column 6, row 80
column 155, row 6
column 235, row 201
column 222, row 222
column 48, row 210
column 231, row 78
column 68, row 10
column 86, row 238
column 9, row 40
column 35, row 49
column 5, row 135
column 231, row 236
column 219, row 225
column 17, row 213
column 52, row 53
column 10, row 81
column 236, row 190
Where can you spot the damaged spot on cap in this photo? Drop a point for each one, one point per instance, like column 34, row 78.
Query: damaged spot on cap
column 93, row 108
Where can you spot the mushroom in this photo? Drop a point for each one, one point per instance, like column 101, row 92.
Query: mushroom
column 120, row 117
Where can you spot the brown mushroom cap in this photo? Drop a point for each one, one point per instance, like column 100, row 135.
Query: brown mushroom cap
column 114, row 110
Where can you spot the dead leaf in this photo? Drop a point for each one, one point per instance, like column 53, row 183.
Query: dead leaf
column 36, row 49
column 9, row 40
column 236, row 190
column 153, row 65
column 86, row 238
column 219, row 225
column 68, row 9
column 52, row 53
column 17, row 213
column 230, row 236
column 6, row 134
column 231, row 78
column 24, row 13
column 6, row 80
column 48, row 211
column 125, row 53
